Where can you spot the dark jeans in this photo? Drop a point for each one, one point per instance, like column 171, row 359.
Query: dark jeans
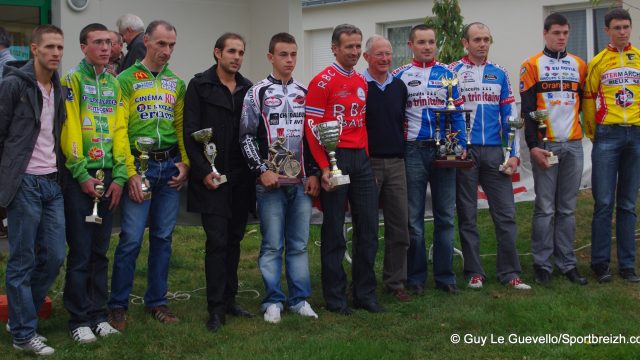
column 363, row 199
column 86, row 285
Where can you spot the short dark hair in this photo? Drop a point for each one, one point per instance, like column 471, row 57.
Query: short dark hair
column 222, row 40
column 5, row 38
column 36, row 35
column 555, row 19
column 412, row 33
column 84, row 33
column 154, row 25
column 616, row 14
column 466, row 28
column 344, row 29
column 282, row 37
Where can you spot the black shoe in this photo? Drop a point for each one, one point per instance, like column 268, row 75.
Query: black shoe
column 542, row 276
column 372, row 306
column 417, row 290
column 574, row 276
column 215, row 322
column 449, row 288
column 236, row 310
column 629, row 275
column 603, row 273
column 345, row 310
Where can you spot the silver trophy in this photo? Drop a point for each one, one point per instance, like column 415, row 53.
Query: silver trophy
column 210, row 152
column 514, row 124
column 94, row 218
column 542, row 117
column 144, row 145
column 328, row 134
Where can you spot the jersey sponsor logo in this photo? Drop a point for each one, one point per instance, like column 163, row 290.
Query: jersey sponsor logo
column 523, row 70
column 490, row 77
column 361, row 94
column 140, row 75
column 69, row 94
column 521, row 85
column 101, row 139
column 169, row 85
column 143, row 85
column 274, row 119
column 107, row 93
column 630, row 56
column 435, row 83
column 272, row 101
column 155, row 111
column 170, row 99
column 467, row 77
column 95, row 153
column 140, row 107
column 87, row 124
column 90, row 89
column 150, row 97
column 299, row 99
column 414, row 83
column 624, row 97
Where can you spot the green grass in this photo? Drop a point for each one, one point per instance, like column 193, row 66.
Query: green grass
column 420, row 329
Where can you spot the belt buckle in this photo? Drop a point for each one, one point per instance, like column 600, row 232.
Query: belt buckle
column 158, row 156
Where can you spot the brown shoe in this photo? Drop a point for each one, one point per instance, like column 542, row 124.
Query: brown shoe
column 118, row 318
column 162, row 314
column 400, row 295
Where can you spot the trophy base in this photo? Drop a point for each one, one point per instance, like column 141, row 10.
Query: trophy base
column 452, row 161
column 552, row 159
column 505, row 169
column 337, row 180
column 289, row 181
column 93, row 219
column 146, row 195
column 223, row 179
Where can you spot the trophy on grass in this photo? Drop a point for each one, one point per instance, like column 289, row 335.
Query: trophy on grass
column 449, row 152
column 210, row 152
column 328, row 134
column 94, row 218
column 514, row 124
column 144, row 145
column 542, row 117
column 281, row 161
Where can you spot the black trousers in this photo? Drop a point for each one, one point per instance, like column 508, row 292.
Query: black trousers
column 363, row 200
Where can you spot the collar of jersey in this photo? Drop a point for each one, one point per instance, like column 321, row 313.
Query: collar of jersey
column 277, row 81
column 465, row 59
column 554, row 54
column 142, row 67
column 342, row 70
column 90, row 68
column 423, row 64
column 613, row 48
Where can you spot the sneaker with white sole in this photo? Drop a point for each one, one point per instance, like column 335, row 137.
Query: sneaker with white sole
column 104, row 329
column 517, row 284
column 272, row 315
column 475, row 282
column 36, row 346
column 83, row 335
column 306, row 310
column 42, row 338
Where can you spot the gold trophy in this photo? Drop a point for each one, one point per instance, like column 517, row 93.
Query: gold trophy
column 514, row 124
column 542, row 117
column 281, row 161
column 449, row 83
column 94, row 218
column 210, row 152
column 328, row 134
column 144, row 145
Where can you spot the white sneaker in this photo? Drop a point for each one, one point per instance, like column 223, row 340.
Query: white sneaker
column 272, row 315
column 306, row 310
column 83, row 335
column 517, row 283
column 104, row 329
column 36, row 346
column 475, row 282
column 42, row 338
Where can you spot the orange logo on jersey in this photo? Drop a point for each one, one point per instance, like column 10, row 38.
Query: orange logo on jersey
column 139, row 75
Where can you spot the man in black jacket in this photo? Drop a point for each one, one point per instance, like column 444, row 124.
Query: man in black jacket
column 31, row 163
column 214, row 100
column 132, row 29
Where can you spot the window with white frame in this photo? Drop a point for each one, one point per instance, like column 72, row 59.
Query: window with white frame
column 398, row 35
column 587, row 36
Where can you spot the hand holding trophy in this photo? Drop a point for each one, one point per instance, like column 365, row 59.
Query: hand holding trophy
column 94, row 218
column 514, row 125
column 144, row 145
column 210, row 152
column 542, row 117
column 328, row 134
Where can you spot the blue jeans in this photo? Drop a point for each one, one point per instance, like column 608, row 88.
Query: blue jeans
column 162, row 211
column 284, row 213
column 615, row 180
column 36, row 251
column 419, row 157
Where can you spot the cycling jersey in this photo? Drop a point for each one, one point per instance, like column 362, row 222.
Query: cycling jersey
column 426, row 93
column 93, row 137
column 271, row 107
column 153, row 108
column 612, row 89
column 485, row 90
column 333, row 92
column 552, row 81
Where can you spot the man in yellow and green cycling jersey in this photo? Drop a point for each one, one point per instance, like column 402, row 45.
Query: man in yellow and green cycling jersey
column 153, row 98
